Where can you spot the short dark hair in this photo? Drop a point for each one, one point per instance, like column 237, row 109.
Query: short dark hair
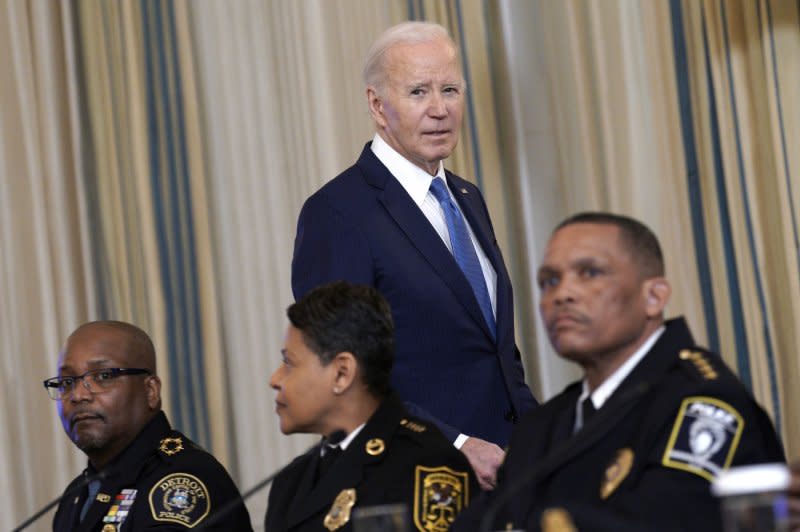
column 639, row 240
column 341, row 316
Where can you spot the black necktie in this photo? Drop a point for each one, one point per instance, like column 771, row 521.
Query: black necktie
column 588, row 409
column 326, row 461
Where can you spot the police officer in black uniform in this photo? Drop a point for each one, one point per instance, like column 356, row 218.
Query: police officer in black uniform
column 334, row 381
column 635, row 444
column 142, row 474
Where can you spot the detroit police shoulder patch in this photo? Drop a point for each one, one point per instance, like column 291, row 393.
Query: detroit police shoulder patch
column 704, row 437
column 180, row 498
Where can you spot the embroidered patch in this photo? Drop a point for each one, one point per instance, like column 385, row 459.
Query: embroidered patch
column 118, row 511
column 704, row 437
column 180, row 498
column 616, row 472
column 339, row 514
column 439, row 496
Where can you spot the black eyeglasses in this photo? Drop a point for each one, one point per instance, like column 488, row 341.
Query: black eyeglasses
column 95, row 380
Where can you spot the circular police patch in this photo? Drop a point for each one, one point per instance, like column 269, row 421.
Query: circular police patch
column 180, row 498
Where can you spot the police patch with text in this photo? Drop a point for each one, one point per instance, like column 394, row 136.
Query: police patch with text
column 704, row 437
column 439, row 496
column 180, row 498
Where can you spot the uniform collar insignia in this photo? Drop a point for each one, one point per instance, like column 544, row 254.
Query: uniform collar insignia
column 375, row 446
column 171, row 446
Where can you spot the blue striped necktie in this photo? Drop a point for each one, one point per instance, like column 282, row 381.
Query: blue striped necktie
column 463, row 250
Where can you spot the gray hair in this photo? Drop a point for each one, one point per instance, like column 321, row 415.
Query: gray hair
column 410, row 32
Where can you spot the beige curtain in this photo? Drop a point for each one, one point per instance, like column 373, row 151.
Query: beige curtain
column 593, row 124
column 743, row 67
column 43, row 264
column 154, row 156
column 145, row 183
column 104, row 216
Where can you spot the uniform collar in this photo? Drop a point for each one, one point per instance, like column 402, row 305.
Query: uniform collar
column 609, row 386
column 142, row 445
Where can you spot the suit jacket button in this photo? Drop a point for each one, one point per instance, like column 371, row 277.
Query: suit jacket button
column 511, row 416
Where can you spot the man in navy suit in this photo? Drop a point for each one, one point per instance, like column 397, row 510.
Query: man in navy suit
column 397, row 220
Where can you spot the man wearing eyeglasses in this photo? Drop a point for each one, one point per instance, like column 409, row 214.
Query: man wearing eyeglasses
column 141, row 472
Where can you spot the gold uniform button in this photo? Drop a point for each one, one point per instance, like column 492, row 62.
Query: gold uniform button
column 375, row 447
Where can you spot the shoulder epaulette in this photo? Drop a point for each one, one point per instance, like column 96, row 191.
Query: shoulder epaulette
column 413, row 425
column 700, row 362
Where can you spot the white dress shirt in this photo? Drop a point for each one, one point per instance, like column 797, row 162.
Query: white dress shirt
column 344, row 443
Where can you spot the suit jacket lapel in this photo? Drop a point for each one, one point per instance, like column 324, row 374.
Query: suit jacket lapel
column 420, row 233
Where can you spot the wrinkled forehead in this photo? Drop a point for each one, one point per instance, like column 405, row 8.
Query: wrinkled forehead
column 430, row 58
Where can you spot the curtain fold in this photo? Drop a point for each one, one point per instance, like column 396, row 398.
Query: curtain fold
column 145, row 187
column 742, row 58
column 41, row 237
column 154, row 157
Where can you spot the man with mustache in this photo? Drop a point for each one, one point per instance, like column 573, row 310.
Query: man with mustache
column 398, row 221
column 635, row 443
column 141, row 474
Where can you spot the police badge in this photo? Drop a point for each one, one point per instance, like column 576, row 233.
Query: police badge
column 616, row 472
column 339, row 513
column 439, row 496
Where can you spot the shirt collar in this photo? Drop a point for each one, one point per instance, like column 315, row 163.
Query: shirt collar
column 414, row 179
column 345, row 442
column 609, row 386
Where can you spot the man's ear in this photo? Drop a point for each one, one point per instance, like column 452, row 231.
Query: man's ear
column 656, row 292
column 345, row 366
column 152, row 390
column 375, row 104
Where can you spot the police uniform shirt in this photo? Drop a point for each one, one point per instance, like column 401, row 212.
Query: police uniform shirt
column 646, row 458
column 162, row 480
column 394, row 459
